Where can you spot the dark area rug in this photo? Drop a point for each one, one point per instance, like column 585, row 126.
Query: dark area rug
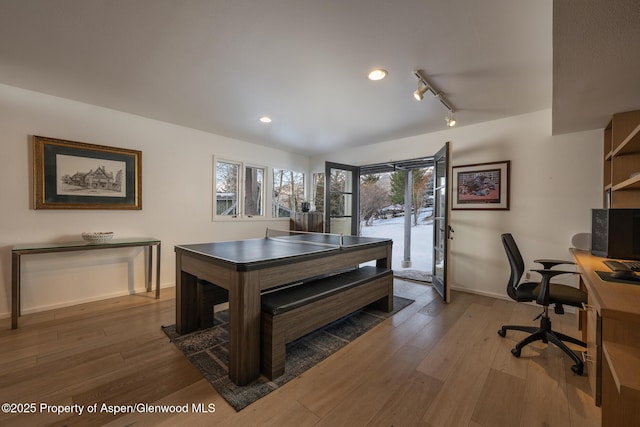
column 207, row 350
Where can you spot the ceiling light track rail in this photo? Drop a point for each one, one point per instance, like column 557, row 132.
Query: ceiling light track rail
column 424, row 86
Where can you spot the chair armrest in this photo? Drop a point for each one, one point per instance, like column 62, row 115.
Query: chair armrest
column 543, row 295
column 550, row 263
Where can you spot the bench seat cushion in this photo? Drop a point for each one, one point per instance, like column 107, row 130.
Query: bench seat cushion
column 301, row 295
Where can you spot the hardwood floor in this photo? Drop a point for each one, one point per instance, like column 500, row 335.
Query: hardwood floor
column 430, row 365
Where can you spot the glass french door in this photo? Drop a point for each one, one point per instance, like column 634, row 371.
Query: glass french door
column 441, row 228
column 342, row 198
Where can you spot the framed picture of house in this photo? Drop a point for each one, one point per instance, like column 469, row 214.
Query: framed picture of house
column 481, row 186
column 77, row 175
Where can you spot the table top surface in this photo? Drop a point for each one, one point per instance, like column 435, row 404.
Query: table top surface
column 273, row 248
column 81, row 245
column 619, row 300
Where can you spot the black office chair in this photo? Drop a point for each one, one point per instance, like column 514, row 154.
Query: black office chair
column 543, row 293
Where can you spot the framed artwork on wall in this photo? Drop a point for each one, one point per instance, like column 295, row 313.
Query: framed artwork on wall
column 482, row 186
column 77, row 175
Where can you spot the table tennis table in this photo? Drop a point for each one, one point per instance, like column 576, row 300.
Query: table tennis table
column 247, row 267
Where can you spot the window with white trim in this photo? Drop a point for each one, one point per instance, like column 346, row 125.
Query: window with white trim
column 239, row 189
column 254, row 191
column 227, row 185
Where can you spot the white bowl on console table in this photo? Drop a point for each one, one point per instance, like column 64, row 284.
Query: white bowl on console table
column 98, row 237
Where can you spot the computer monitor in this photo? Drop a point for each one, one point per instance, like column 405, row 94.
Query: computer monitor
column 615, row 233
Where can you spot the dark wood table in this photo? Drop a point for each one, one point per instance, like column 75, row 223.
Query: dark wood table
column 43, row 248
column 246, row 267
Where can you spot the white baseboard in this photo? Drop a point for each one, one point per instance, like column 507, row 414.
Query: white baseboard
column 79, row 301
column 567, row 308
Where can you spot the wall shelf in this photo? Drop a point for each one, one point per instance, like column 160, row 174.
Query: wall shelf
column 630, row 184
column 621, row 152
column 631, row 144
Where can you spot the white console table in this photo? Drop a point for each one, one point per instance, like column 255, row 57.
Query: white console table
column 42, row 248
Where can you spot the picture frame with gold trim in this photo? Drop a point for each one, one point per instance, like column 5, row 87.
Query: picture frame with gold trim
column 79, row 175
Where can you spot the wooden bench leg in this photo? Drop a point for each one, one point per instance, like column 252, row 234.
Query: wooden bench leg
column 209, row 295
column 273, row 348
column 385, row 304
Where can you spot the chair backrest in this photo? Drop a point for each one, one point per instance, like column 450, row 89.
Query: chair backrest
column 515, row 261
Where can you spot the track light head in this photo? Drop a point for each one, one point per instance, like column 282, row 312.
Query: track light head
column 451, row 121
column 419, row 93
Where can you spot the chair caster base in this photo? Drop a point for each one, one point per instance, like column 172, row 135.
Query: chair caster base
column 516, row 351
column 502, row 333
column 577, row 369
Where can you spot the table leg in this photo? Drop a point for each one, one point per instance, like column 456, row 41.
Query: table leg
column 186, row 299
column 158, row 252
column 149, row 252
column 244, row 328
column 15, row 290
column 387, row 261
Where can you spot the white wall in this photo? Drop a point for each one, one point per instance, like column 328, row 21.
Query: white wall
column 176, row 196
column 555, row 181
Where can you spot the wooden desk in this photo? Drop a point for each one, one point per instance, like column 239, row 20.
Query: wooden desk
column 43, row 248
column 613, row 340
column 244, row 268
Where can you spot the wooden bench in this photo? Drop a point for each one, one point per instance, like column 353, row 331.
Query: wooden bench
column 209, row 295
column 290, row 313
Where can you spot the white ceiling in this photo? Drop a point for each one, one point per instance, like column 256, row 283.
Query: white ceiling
column 217, row 65
column 596, row 62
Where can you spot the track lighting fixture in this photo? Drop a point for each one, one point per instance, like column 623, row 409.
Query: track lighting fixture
column 451, row 121
column 423, row 87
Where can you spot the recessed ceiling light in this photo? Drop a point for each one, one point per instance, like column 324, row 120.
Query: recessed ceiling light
column 265, row 119
column 377, row 74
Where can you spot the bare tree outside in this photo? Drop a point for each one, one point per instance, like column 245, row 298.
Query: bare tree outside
column 419, row 191
column 338, row 186
column 373, row 198
column 227, row 181
column 318, row 191
column 253, row 190
column 421, row 177
column 288, row 192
